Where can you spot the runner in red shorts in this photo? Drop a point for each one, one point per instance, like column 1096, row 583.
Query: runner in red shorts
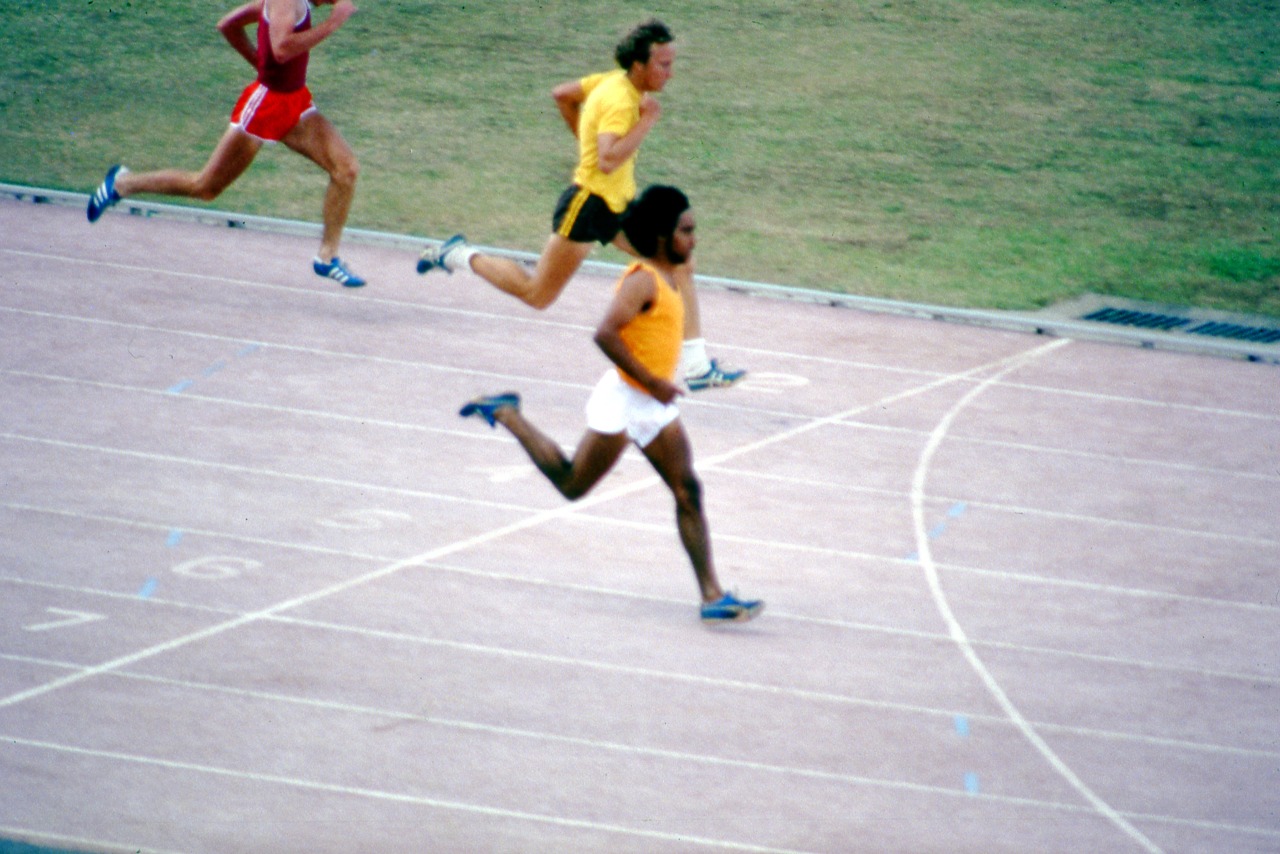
column 276, row 107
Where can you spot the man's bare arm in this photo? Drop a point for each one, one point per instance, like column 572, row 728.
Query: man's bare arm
column 569, row 97
column 286, row 44
column 613, row 150
column 234, row 28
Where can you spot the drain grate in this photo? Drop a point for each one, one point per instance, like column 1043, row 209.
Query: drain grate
column 1141, row 319
column 1259, row 334
column 1172, row 322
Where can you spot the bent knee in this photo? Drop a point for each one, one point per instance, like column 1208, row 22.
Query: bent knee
column 688, row 492
column 207, row 191
column 542, row 296
column 345, row 171
column 573, row 491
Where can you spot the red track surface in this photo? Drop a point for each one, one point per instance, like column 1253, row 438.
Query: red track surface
column 262, row 590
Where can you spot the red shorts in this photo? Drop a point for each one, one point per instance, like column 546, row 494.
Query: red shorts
column 270, row 115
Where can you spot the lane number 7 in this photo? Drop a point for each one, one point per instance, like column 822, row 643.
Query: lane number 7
column 69, row 618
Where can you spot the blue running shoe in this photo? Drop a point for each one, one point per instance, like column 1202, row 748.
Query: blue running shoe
column 731, row 609
column 486, row 407
column 715, row 377
column 436, row 257
column 337, row 271
column 105, row 196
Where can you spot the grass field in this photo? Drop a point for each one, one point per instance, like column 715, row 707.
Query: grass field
column 990, row 153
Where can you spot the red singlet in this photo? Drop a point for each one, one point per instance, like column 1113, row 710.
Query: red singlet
column 281, row 76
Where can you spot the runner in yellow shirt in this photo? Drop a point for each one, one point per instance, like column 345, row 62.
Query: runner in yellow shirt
column 635, row 399
column 610, row 113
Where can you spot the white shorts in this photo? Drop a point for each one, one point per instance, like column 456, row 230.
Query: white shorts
column 615, row 406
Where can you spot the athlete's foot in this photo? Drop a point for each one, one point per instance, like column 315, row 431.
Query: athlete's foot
column 487, row 407
column 337, row 271
column 713, row 377
column 730, row 609
column 437, row 257
column 105, row 196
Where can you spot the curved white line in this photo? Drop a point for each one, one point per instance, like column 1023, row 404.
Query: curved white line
column 957, row 631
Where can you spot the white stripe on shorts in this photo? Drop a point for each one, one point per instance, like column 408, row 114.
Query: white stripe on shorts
column 251, row 106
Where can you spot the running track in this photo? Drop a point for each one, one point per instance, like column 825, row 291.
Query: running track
column 262, row 590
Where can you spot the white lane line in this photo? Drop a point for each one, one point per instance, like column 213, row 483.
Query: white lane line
column 854, row 780
column 293, row 348
column 531, row 521
column 957, row 631
column 1110, row 459
column 1001, row 365
column 132, row 598
column 1174, row 406
column 713, row 462
column 595, row 744
column 534, row 520
column 890, row 706
column 755, row 543
column 1249, row 677
column 1015, row 509
column 324, row 294
column 534, row 320
column 194, row 397
column 256, row 471
column 383, row 715
column 1048, row 450
column 158, row 527
column 1111, row 589
column 914, row 372
column 394, row 797
column 460, row 806
column 573, row 662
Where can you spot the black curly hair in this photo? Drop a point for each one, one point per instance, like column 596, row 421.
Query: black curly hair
column 654, row 215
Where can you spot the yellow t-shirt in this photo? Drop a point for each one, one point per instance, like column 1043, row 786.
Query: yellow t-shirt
column 654, row 336
column 612, row 106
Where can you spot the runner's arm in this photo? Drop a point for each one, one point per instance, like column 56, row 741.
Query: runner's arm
column 234, row 26
column 635, row 295
column 286, row 44
column 613, row 150
column 569, row 97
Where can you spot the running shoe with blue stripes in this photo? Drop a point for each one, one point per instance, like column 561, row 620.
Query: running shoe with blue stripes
column 337, row 271
column 105, row 196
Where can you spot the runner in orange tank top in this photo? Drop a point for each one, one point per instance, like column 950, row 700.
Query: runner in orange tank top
column 635, row 399
column 276, row 107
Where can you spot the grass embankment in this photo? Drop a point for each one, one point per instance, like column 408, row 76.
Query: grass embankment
column 991, row 153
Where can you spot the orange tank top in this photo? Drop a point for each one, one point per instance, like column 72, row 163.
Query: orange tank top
column 654, row 336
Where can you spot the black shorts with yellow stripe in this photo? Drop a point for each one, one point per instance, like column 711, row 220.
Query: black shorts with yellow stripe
column 584, row 217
